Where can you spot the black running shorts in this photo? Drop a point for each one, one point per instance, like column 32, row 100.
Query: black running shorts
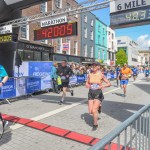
column 95, row 94
column 65, row 84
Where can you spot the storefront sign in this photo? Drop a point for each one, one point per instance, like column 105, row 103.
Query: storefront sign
column 6, row 29
column 6, row 38
column 50, row 22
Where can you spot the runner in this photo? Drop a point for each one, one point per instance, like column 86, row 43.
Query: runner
column 135, row 73
column 95, row 95
column 125, row 72
column 147, row 73
column 3, row 80
column 65, row 72
column 118, row 69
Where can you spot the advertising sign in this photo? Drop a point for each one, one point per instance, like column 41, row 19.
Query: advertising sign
column 9, row 89
column 121, row 5
column 6, row 29
column 54, row 21
column 65, row 46
column 20, row 87
column 73, row 80
column 80, row 78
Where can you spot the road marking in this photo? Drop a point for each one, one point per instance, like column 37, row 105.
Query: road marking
column 54, row 112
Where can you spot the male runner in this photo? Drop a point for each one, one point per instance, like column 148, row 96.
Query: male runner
column 65, row 72
column 135, row 73
column 118, row 69
column 3, row 80
column 147, row 73
column 125, row 72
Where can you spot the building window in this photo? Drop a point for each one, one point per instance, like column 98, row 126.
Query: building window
column 85, row 50
column 112, row 36
column 68, row 6
column 37, row 56
column 75, row 47
column 91, row 52
column 99, row 39
column 59, row 45
column 92, row 23
column 44, row 7
column 44, row 41
column 103, row 41
column 76, row 15
column 103, row 31
column 91, row 35
column 58, row 3
column 45, row 56
column 85, row 18
column 85, row 32
column 68, row 41
column 99, row 28
column 25, row 32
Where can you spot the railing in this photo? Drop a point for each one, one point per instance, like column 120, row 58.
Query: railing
column 132, row 134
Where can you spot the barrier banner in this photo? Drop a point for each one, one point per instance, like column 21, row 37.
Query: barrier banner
column 85, row 76
column 33, row 84
column 9, row 89
column 73, row 80
column 43, row 70
column 20, row 87
column 80, row 78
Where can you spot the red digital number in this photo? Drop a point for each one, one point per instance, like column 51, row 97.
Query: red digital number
column 56, row 31
column 62, row 30
column 38, row 35
column 69, row 29
column 44, row 33
column 50, row 31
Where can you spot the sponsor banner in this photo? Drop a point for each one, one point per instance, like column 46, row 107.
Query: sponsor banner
column 43, row 70
column 80, row 78
column 54, row 21
column 33, row 84
column 23, row 70
column 9, row 89
column 65, row 46
column 121, row 5
column 73, row 80
column 20, row 87
column 6, row 29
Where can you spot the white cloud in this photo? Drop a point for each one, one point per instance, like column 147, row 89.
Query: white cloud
column 144, row 41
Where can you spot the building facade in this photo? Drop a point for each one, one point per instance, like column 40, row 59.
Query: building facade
column 111, row 47
column 131, row 49
column 87, row 35
column 100, row 41
column 146, row 55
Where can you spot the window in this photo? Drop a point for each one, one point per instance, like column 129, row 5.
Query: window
column 28, row 55
column 37, row 56
column 58, row 3
column 112, row 36
column 68, row 6
column 85, row 32
column 112, row 45
column 99, row 39
column 76, row 15
column 91, row 35
column 44, row 41
column 91, row 52
column 45, row 56
column 92, row 23
column 68, row 41
column 103, row 41
column 59, row 45
column 103, row 31
column 44, row 7
column 75, row 47
column 25, row 32
column 99, row 28
column 85, row 50
column 85, row 18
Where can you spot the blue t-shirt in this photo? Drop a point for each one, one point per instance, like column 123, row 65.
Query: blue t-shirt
column 147, row 72
column 135, row 71
column 118, row 71
column 3, row 72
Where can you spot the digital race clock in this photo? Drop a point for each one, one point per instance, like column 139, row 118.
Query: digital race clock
column 6, row 38
column 61, row 30
column 130, row 17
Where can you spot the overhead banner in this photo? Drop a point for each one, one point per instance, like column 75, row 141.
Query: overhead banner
column 121, row 5
column 6, row 29
column 50, row 22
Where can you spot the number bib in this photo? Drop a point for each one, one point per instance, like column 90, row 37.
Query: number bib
column 94, row 86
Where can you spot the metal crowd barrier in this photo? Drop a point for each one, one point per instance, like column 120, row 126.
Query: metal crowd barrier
column 132, row 134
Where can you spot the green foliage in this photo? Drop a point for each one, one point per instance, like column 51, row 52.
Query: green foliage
column 121, row 57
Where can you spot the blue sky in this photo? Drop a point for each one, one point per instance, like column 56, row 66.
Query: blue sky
column 141, row 34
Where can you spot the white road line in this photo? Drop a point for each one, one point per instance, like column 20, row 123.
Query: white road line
column 54, row 112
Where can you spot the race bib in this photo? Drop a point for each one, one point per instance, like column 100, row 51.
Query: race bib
column 94, row 86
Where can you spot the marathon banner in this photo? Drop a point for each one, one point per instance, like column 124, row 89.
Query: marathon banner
column 20, row 87
column 8, row 90
column 73, row 80
column 80, row 78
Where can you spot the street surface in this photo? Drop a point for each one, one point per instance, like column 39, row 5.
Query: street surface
column 73, row 116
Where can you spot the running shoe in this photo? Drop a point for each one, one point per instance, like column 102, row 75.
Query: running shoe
column 95, row 127
column 72, row 93
column 60, row 103
column 5, row 124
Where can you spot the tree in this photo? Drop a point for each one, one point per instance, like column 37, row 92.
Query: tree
column 121, row 57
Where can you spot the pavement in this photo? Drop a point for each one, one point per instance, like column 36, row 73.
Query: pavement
column 72, row 116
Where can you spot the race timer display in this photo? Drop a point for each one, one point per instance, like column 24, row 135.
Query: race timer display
column 136, row 16
column 56, row 31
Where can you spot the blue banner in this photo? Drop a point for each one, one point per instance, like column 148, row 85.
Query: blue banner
column 81, row 78
column 8, row 90
column 73, row 80
column 33, row 85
